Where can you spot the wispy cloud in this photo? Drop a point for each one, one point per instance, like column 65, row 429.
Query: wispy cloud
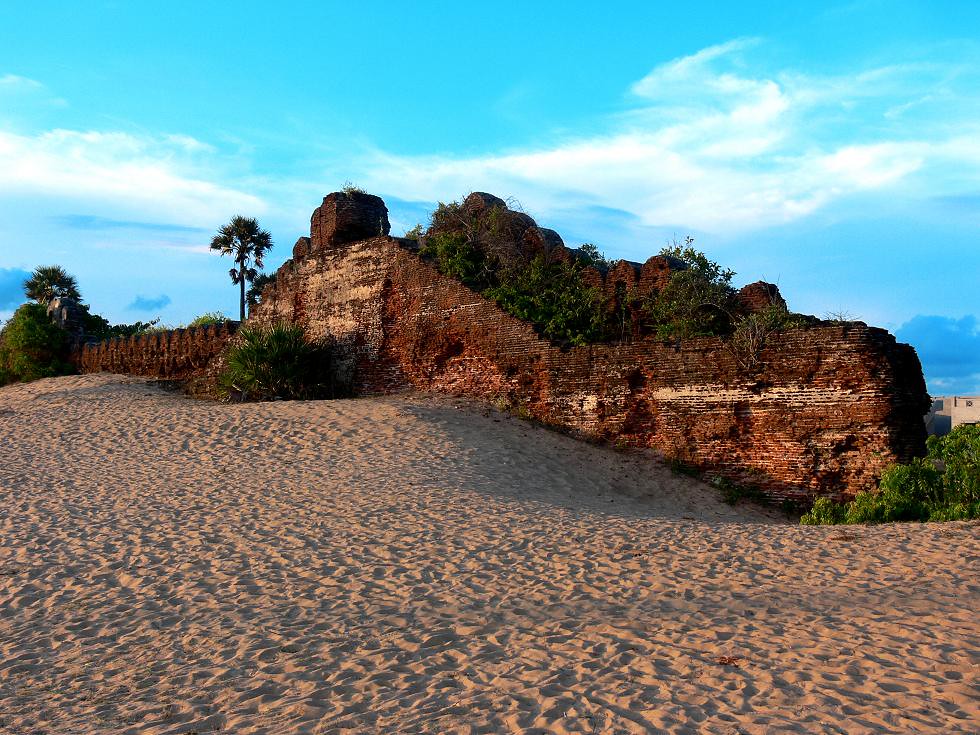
column 164, row 176
column 92, row 222
column 149, row 303
column 710, row 144
column 12, row 287
column 23, row 88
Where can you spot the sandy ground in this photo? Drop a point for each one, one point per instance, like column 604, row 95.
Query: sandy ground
column 416, row 565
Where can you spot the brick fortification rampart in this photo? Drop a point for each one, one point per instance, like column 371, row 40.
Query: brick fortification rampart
column 177, row 354
column 821, row 411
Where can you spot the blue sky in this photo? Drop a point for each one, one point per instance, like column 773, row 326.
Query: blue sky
column 831, row 148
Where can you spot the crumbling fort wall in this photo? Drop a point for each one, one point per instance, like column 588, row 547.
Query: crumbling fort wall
column 177, row 354
column 821, row 410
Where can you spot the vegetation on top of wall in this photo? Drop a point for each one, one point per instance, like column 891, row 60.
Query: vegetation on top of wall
column 698, row 300
column 484, row 252
column 32, row 347
column 208, row 318
column 350, row 188
column 943, row 486
column 278, row 362
column 552, row 295
column 99, row 328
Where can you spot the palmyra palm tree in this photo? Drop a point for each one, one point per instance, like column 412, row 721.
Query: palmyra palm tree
column 247, row 243
column 50, row 281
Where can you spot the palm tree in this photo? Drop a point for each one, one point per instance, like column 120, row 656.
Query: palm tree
column 243, row 239
column 50, row 281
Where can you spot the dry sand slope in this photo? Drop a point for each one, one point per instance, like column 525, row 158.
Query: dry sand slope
column 409, row 564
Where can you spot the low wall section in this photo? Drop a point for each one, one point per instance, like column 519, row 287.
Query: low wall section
column 178, row 354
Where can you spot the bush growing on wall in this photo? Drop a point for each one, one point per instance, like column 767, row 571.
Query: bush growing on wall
column 278, row 362
column 944, row 486
column 698, row 301
column 32, row 347
column 208, row 318
column 552, row 296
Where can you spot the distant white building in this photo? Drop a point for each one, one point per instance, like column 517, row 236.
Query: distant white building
column 948, row 412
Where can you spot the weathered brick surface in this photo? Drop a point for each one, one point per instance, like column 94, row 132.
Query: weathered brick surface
column 759, row 295
column 347, row 217
column 823, row 412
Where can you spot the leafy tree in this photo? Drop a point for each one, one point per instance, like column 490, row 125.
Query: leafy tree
column 553, row 296
column 591, row 255
column 50, row 281
column 98, row 327
column 32, row 346
column 697, row 301
column 247, row 243
column 254, row 294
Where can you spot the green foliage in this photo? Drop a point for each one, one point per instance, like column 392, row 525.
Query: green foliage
column 208, row 318
column 49, row 281
column 99, row 328
column 590, row 255
column 457, row 257
column 278, row 362
column 697, row 301
column 959, row 455
column 32, row 347
column 944, row 486
column 415, row 233
column 552, row 296
column 253, row 296
column 825, row 512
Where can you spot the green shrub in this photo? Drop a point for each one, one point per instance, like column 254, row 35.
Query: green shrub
column 959, row 454
column 458, row 258
column 32, row 347
column 943, row 486
column 696, row 302
column 825, row 512
column 278, row 362
column 99, row 328
column 208, row 318
column 553, row 296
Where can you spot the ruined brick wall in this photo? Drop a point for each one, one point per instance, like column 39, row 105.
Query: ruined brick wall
column 824, row 410
column 178, row 354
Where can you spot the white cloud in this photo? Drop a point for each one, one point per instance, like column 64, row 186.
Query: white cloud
column 27, row 91
column 12, row 81
column 711, row 146
column 162, row 178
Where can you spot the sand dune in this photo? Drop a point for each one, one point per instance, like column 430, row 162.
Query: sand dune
column 417, row 565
